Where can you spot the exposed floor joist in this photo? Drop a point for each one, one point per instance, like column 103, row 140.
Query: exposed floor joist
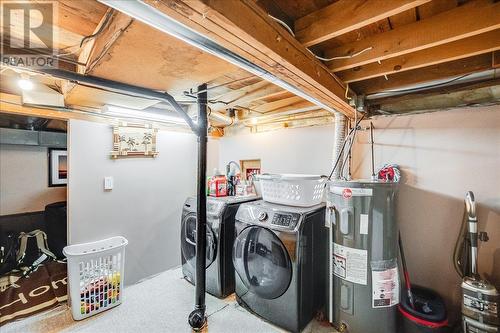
column 260, row 40
column 496, row 59
column 346, row 15
column 468, row 94
column 432, row 92
column 93, row 51
column 279, row 104
column 462, row 48
column 471, row 19
column 246, row 95
column 300, row 107
column 80, row 17
column 432, row 73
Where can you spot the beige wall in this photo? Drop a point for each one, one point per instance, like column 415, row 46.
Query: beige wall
column 24, row 180
column 442, row 155
column 290, row 150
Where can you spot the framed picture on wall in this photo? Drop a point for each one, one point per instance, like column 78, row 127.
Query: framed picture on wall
column 134, row 140
column 58, row 167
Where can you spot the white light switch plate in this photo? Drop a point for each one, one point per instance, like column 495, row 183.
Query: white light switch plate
column 108, row 183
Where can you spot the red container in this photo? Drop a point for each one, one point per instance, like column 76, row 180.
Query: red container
column 217, row 186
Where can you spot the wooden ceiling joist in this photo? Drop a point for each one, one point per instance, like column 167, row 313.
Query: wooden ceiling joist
column 472, row 18
column 459, row 49
column 432, row 73
column 98, row 46
column 268, row 90
column 433, row 92
column 246, row 95
column 496, row 59
column 278, row 104
column 80, row 17
column 450, row 97
column 303, row 106
column 344, row 16
column 245, row 29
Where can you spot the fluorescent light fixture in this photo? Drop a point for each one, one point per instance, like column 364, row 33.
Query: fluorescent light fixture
column 139, row 114
column 25, row 84
column 254, row 121
column 158, row 20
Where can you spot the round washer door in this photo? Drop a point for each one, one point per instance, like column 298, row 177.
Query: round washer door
column 188, row 241
column 262, row 262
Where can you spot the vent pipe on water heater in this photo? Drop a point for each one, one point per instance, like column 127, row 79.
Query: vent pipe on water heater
column 340, row 122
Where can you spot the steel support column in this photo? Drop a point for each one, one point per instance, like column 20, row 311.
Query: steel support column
column 197, row 318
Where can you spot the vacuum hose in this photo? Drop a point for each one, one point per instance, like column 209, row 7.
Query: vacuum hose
column 465, row 252
column 470, row 205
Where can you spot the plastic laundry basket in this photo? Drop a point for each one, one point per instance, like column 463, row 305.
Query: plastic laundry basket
column 95, row 275
column 293, row 189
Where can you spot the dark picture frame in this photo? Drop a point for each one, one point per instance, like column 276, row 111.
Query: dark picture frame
column 58, row 167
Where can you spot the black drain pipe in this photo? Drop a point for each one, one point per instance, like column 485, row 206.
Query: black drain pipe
column 197, row 318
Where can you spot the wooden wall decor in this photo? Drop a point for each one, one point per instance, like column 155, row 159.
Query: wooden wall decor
column 134, row 140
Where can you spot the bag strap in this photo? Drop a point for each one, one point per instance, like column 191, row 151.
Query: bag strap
column 41, row 243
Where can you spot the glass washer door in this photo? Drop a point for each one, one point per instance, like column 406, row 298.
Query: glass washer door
column 262, row 262
column 188, row 241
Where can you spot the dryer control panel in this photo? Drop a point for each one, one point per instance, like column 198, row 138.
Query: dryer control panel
column 281, row 219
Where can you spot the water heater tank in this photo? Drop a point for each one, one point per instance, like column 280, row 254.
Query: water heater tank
column 363, row 270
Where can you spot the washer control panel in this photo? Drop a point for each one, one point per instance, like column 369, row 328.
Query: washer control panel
column 270, row 215
column 285, row 220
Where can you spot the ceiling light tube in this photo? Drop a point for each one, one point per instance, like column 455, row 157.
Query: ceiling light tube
column 131, row 113
column 158, row 20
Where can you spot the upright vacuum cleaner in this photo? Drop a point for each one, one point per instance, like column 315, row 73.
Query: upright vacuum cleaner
column 480, row 299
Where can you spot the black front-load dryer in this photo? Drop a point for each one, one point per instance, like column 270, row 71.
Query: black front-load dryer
column 280, row 256
column 220, row 237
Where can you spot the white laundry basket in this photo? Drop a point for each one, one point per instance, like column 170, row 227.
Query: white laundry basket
column 95, row 275
column 293, row 189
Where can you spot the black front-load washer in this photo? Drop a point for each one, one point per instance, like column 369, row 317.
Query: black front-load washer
column 220, row 236
column 280, row 257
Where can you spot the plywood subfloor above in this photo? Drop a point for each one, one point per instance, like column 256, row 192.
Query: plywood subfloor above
column 149, row 58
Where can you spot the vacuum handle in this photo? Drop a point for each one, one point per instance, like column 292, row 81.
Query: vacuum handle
column 473, row 235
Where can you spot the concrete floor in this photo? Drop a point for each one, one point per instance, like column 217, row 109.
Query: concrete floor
column 159, row 304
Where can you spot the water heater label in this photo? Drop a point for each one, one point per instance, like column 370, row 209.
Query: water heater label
column 350, row 264
column 348, row 192
column 385, row 288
